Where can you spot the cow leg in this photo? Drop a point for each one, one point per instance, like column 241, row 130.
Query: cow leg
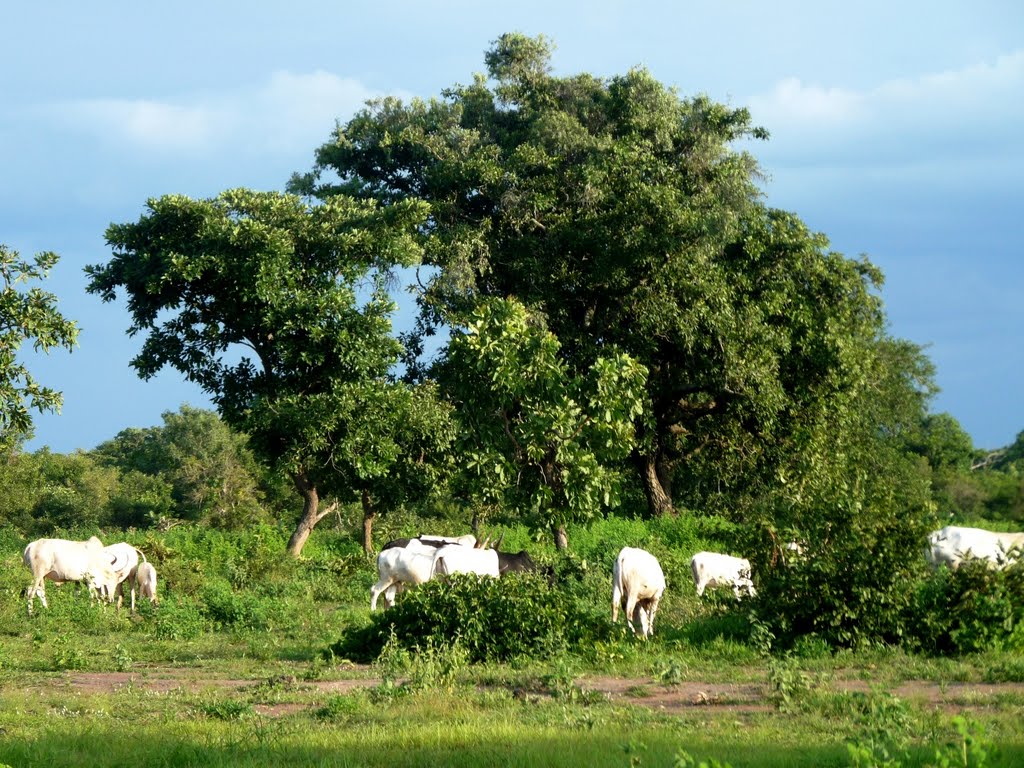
column 616, row 602
column 652, row 609
column 631, row 611
column 640, row 617
column 132, row 578
column 37, row 590
column 375, row 591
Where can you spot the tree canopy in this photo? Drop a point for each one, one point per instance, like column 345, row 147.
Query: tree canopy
column 533, row 436
column 27, row 315
column 622, row 213
column 280, row 311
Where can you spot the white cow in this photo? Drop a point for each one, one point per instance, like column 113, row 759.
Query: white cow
column 124, row 560
column 400, row 565
column 953, row 544
column 712, row 569
column 467, row 540
column 61, row 560
column 455, row 558
column 637, row 585
column 145, row 578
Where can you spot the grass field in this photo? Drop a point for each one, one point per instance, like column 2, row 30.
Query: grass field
column 231, row 670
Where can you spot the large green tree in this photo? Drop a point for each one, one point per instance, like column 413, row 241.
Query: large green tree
column 624, row 214
column 280, row 311
column 26, row 316
column 534, row 436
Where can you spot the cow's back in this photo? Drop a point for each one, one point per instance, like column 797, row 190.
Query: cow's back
column 62, row 559
column 638, row 572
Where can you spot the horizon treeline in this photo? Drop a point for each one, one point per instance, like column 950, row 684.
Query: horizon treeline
column 193, row 468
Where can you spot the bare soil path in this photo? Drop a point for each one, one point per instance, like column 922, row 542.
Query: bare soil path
column 639, row 691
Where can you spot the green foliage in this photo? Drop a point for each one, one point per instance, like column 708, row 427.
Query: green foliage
column 280, row 311
column 788, row 684
column 227, row 710
column 969, row 609
column 72, row 491
column 206, row 469
column 26, row 316
column 685, row 760
column 971, row 749
column 179, row 619
column 67, row 654
column 883, row 725
column 861, row 516
column 436, row 665
column 619, row 213
column 493, row 619
column 535, row 437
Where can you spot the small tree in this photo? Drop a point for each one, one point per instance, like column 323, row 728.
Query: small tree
column 280, row 311
column 26, row 316
column 534, row 435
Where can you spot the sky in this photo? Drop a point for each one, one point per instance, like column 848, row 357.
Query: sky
column 897, row 130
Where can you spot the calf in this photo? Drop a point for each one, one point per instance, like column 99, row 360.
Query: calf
column 637, row 585
column 124, row 560
column 953, row 544
column 711, row 569
column 145, row 578
column 61, row 560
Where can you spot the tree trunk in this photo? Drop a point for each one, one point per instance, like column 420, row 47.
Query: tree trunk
column 311, row 515
column 656, row 485
column 561, row 537
column 369, row 513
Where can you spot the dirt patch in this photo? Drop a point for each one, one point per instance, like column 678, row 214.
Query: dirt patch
column 646, row 692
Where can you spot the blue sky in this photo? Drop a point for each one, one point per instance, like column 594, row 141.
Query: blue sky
column 897, row 130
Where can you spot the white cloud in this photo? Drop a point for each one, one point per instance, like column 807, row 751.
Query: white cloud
column 975, row 110
column 793, row 101
column 289, row 112
column 149, row 125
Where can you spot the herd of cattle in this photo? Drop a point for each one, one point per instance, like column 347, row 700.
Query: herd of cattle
column 638, row 582
column 103, row 569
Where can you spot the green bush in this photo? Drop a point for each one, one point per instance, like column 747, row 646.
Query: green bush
column 969, row 609
column 179, row 620
column 494, row 620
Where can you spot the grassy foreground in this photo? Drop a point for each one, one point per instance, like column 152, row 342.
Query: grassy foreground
column 230, row 671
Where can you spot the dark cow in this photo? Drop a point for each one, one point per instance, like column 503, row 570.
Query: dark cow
column 518, row 562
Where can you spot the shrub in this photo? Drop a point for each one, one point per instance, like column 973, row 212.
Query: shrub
column 968, row 609
column 494, row 620
column 179, row 620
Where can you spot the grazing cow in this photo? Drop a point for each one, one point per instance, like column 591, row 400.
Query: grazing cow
column 145, row 578
column 124, row 560
column 637, row 585
column 515, row 562
column 399, row 565
column 467, row 540
column 711, row 569
column 953, row 544
column 61, row 560
column 425, row 542
column 453, row 558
